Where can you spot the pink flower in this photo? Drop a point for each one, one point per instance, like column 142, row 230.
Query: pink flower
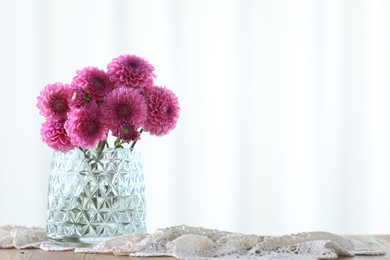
column 127, row 132
column 53, row 101
column 79, row 98
column 124, row 105
column 94, row 82
column 130, row 71
column 54, row 135
column 85, row 126
column 163, row 110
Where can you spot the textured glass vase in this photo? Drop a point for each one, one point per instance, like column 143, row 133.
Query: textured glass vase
column 94, row 195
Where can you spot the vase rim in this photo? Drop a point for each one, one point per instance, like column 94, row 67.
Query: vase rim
column 101, row 150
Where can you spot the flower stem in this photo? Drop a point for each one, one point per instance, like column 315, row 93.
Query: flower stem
column 140, row 132
column 102, row 144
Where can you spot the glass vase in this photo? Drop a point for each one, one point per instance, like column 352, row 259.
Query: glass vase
column 94, row 195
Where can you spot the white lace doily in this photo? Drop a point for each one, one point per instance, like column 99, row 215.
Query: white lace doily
column 187, row 242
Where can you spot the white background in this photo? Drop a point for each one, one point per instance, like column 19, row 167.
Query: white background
column 285, row 120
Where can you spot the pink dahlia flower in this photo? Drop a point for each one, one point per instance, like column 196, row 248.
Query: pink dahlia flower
column 127, row 132
column 53, row 101
column 54, row 135
column 163, row 110
column 79, row 97
column 94, row 82
column 130, row 71
column 124, row 105
column 85, row 126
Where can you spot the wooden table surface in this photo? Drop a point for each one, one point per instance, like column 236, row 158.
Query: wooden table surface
column 376, row 242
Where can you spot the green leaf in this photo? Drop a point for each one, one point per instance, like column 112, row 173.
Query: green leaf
column 118, row 143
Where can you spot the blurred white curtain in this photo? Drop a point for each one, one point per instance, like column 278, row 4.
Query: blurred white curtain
column 285, row 111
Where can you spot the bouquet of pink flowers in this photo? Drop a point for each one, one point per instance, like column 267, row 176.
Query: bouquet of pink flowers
column 122, row 100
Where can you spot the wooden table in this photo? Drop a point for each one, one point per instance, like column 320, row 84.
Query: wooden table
column 377, row 242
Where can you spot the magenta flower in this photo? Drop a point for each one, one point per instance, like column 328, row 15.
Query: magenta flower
column 94, row 82
column 54, row 135
column 130, row 71
column 53, row 101
column 79, row 97
column 127, row 132
column 163, row 110
column 123, row 101
column 124, row 105
column 85, row 126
